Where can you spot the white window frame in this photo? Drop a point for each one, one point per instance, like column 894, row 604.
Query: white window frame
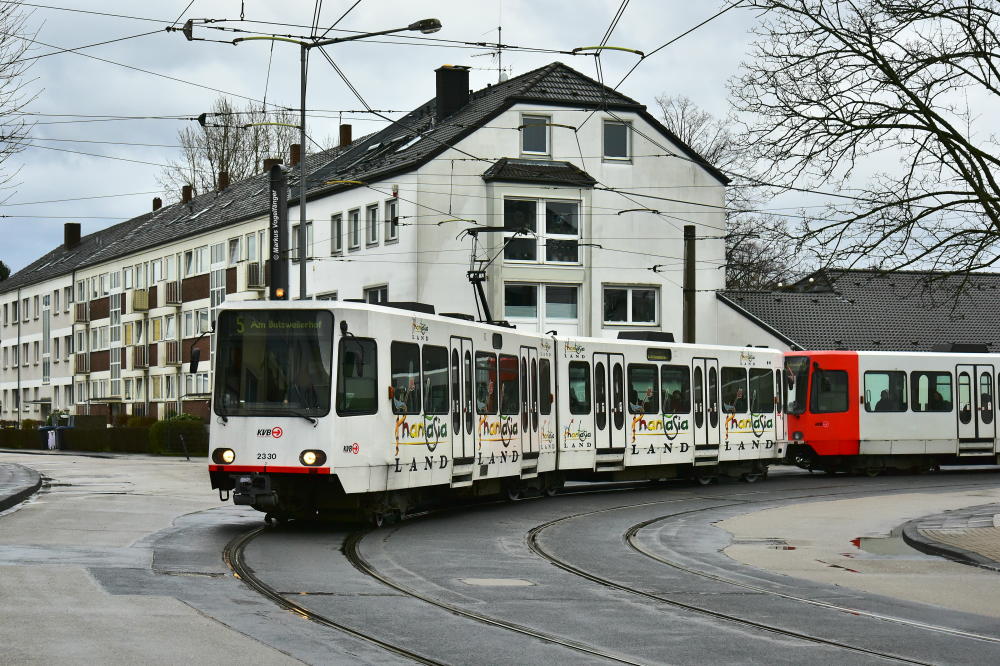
column 629, row 288
column 541, row 236
column 391, row 220
column 337, row 234
column 354, row 229
column 628, row 141
column 548, row 134
column 371, row 224
column 370, row 291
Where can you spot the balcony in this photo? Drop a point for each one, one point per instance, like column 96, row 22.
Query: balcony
column 140, row 357
column 173, row 293
column 81, row 364
column 140, row 300
column 82, row 313
column 255, row 275
column 173, row 353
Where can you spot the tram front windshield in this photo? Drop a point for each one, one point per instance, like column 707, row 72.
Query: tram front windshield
column 796, row 383
column 273, row 362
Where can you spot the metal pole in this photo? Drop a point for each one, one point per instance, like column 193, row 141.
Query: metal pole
column 303, row 250
column 690, row 291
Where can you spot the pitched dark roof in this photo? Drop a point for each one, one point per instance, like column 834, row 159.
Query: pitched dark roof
column 866, row 310
column 401, row 147
column 538, row 171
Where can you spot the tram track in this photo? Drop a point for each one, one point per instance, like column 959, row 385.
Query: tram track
column 233, row 555
column 352, row 552
column 630, row 540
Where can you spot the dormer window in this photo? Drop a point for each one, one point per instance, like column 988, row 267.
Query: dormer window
column 617, row 140
column 535, row 135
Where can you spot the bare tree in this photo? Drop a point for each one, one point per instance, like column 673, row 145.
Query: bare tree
column 760, row 252
column 838, row 90
column 15, row 90
column 233, row 140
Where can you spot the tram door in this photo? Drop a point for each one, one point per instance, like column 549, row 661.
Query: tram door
column 463, row 418
column 529, row 399
column 705, row 395
column 976, row 403
column 609, row 401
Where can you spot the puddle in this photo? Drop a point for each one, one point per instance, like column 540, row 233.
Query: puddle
column 497, row 582
column 892, row 544
column 768, row 542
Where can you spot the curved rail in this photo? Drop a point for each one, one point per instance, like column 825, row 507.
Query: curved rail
column 630, row 540
column 233, row 556
column 352, row 552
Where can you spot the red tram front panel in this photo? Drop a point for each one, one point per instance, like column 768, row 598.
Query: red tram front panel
column 821, row 401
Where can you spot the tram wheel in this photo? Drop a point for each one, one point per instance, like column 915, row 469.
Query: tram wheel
column 752, row 477
column 275, row 519
column 872, row 472
column 514, row 493
column 705, row 480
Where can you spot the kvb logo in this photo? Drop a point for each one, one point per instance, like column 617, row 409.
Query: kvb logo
column 275, row 432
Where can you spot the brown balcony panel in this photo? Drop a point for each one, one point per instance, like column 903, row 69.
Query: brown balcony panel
column 231, row 280
column 173, row 293
column 194, row 288
column 100, row 361
column 140, row 357
column 81, row 363
column 173, row 353
column 152, row 297
column 100, row 308
column 82, row 313
column 204, row 345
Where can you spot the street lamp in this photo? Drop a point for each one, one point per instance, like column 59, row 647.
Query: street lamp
column 425, row 26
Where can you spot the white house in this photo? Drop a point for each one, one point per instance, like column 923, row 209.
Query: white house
column 596, row 188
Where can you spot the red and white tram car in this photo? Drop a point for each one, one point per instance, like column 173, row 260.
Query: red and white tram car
column 870, row 411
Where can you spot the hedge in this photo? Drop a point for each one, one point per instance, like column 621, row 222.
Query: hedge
column 165, row 436
column 110, row 440
column 14, row 438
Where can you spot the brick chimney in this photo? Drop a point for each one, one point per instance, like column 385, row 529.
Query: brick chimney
column 223, row 180
column 71, row 234
column 157, row 203
column 294, row 154
column 452, row 89
column 345, row 134
column 187, row 193
column 270, row 162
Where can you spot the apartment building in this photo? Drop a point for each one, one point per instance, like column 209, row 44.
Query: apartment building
column 587, row 192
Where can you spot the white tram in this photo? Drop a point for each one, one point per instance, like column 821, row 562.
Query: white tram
column 342, row 408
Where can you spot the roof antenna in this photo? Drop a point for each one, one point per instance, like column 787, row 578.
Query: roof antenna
column 501, row 75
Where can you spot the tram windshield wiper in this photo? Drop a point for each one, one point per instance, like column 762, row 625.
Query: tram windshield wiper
column 311, row 419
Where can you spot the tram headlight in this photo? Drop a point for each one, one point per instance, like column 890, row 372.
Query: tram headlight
column 223, row 456
column 312, row 458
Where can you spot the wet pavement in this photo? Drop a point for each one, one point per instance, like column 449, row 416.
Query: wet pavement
column 17, row 483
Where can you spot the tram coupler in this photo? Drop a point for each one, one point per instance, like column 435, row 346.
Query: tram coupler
column 254, row 490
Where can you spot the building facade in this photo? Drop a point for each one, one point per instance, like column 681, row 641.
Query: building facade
column 584, row 193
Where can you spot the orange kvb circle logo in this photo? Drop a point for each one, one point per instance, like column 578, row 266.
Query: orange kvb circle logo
column 277, row 432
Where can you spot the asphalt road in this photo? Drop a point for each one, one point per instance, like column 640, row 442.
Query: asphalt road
column 121, row 560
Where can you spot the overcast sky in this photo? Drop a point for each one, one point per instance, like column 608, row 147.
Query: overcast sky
column 396, row 76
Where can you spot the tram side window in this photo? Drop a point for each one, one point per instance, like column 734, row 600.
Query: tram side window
column 545, row 386
column 930, row 391
column 734, row 390
column 405, row 362
column 675, row 387
column 643, row 392
column 761, row 391
column 777, row 390
column 510, row 401
column 579, row 387
column 357, row 377
column 885, row 391
column 486, row 383
column 829, row 391
column 435, row 366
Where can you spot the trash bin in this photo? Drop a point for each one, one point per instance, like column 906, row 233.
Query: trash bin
column 60, row 434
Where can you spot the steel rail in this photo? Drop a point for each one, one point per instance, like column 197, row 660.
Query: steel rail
column 352, row 552
column 233, row 556
column 629, row 537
